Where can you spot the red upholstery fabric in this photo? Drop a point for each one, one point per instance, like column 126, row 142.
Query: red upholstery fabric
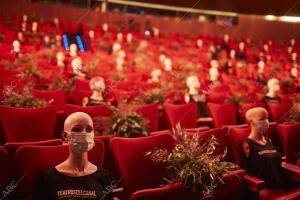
column 285, row 98
column 149, row 112
column 223, row 141
column 222, row 114
column 4, row 167
column 12, row 147
column 136, row 169
column 100, row 114
column 231, row 189
column 28, row 124
column 58, row 97
column 160, row 132
column 33, row 160
column 108, row 162
column 78, row 95
column 290, row 137
column 122, row 96
column 291, row 195
column 233, row 186
column 279, row 112
column 82, row 84
column 217, row 97
column 185, row 114
column 298, row 162
column 168, row 192
column 236, row 136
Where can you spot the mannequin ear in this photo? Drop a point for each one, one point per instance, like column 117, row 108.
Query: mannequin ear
column 64, row 136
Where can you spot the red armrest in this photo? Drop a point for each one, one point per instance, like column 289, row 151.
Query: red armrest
column 292, row 170
column 293, row 194
column 253, row 183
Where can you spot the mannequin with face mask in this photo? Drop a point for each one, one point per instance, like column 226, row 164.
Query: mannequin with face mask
column 97, row 86
column 76, row 177
column 262, row 159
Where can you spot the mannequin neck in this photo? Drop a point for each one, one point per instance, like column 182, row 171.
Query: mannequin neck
column 193, row 91
column 272, row 93
column 97, row 95
column 78, row 161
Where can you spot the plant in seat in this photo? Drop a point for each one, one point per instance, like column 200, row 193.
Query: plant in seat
column 193, row 163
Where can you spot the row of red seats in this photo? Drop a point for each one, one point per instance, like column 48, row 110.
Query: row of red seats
column 31, row 161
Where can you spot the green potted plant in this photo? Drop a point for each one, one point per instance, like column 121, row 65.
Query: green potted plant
column 194, row 165
column 126, row 123
column 21, row 98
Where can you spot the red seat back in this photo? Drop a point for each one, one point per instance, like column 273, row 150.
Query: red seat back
column 58, row 97
column 185, row 114
column 290, row 137
column 82, row 84
column 136, row 169
column 279, row 112
column 222, row 114
column 4, row 167
column 108, row 162
column 223, row 142
column 236, row 137
column 28, row 124
column 34, row 160
column 78, row 95
column 122, row 96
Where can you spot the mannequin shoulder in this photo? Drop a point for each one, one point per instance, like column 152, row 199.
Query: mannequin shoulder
column 246, row 148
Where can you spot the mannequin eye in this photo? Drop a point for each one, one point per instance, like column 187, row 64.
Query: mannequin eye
column 77, row 128
column 89, row 129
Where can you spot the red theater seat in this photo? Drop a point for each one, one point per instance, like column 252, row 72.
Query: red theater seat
column 34, row 160
column 236, row 137
column 279, row 112
column 222, row 114
column 290, row 137
column 56, row 97
column 137, row 170
column 185, row 114
column 28, row 124
column 4, row 167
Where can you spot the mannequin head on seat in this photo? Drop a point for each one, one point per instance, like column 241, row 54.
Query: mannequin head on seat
column 273, row 87
column 73, row 50
column 155, row 75
column 193, row 85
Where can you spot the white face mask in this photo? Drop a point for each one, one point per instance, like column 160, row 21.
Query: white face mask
column 81, row 142
column 262, row 126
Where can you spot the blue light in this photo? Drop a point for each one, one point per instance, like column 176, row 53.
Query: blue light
column 66, row 42
column 80, row 44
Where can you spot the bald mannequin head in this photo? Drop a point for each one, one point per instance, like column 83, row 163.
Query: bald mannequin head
column 258, row 119
column 79, row 132
column 256, row 113
column 78, row 122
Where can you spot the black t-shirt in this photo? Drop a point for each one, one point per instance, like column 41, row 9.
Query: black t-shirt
column 53, row 185
column 268, row 99
column 202, row 109
column 94, row 102
column 264, row 162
